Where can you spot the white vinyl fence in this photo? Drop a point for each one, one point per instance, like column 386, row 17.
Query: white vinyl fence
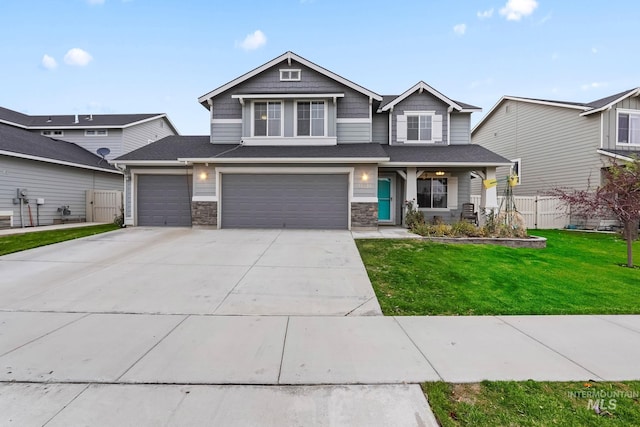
column 103, row 206
column 538, row 211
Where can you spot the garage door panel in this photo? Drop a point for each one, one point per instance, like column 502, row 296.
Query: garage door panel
column 285, row 201
column 164, row 200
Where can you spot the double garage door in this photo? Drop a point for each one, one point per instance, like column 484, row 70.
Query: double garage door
column 305, row 201
column 311, row 201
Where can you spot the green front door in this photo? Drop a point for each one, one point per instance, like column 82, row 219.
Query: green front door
column 384, row 199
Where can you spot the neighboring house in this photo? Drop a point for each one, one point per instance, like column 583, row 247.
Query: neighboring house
column 120, row 133
column 53, row 174
column 58, row 158
column 294, row 145
column 560, row 144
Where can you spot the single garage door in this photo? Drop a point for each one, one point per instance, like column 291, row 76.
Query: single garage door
column 285, row 201
column 164, row 200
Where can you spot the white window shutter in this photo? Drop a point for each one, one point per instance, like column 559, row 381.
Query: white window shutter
column 452, row 192
column 436, row 128
column 401, row 128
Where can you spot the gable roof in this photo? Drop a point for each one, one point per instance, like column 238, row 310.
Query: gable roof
column 604, row 103
column 16, row 142
column 585, row 108
column 83, row 121
column 389, row 101
column 288, row 56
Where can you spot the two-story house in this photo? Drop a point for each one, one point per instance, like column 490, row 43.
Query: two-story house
column 557, row 143
column 294, row 145
column 54, row 160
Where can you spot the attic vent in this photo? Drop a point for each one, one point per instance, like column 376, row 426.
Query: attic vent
column 290, row 75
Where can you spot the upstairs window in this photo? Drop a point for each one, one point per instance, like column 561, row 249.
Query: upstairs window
column 290, row 75
column 267, row 119
column 95, row 132
column 310, row 118
column 419, row 127
column 629, row 128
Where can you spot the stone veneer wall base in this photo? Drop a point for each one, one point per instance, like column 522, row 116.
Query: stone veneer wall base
column 204, row 213
column 364, row 216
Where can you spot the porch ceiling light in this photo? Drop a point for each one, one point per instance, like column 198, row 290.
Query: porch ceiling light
column 439, row 173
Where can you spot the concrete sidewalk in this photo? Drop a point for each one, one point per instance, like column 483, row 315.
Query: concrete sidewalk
column 281, row 350
column 146, row 370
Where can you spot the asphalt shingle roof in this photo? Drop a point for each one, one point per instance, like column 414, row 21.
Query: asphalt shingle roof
column 20, row 141
column 172, row 148
column 175, row 147
column 468, row 153
column 84, row 120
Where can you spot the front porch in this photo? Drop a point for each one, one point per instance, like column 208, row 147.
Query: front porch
column 439, row 193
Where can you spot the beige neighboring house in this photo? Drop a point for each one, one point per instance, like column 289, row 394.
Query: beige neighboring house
column 559, row 143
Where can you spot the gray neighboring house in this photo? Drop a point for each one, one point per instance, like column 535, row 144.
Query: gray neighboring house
column 56, row 172
column 294, row 145
column 558, row 143
column 55, row 158
column 120, row 133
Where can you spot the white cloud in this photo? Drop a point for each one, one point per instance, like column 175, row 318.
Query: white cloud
column 77, row 57
column 253, row 41
column 94, row 2
column 594, row 85
column 514, row 10
column 485, row 14
column 460, row 29
column 49, row 62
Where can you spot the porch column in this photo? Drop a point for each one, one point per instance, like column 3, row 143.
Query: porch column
column 488, row 196
column 411, row 187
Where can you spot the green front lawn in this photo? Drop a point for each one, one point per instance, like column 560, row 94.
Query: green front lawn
column 578, row 273
column 531, row 403
column 20, row 242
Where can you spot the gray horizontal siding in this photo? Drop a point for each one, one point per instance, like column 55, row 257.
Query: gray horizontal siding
column 556, row 145
column 610, row 124
column 226, row 133
column 460, row 129
column 142, row 134
column 58, row 185
column 380, row 128
column 353, row 132
column 421, row 102
column 113, row 141
column 206, row 187
column 353, row 105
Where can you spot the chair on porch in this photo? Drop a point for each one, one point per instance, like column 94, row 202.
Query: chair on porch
column 469, row 213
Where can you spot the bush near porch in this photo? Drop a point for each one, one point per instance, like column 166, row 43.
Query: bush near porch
column 578, row 273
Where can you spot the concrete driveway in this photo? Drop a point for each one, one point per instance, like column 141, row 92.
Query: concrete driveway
column 186, row 271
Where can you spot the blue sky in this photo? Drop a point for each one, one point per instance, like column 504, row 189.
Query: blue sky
column 148, row 56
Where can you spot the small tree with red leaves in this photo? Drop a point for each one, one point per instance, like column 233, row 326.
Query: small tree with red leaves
column 619, row 196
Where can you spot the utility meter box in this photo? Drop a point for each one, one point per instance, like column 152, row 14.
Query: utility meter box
column 40, row 201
